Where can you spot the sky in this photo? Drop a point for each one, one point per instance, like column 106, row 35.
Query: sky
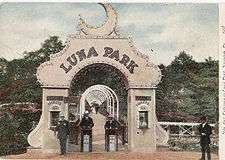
column 160, row 31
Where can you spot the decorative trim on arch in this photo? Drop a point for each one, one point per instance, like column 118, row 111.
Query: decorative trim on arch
column 147, row 58
column 40, row 68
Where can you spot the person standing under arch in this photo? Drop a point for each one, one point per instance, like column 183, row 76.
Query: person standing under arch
column 86, row 125
column 111, row 128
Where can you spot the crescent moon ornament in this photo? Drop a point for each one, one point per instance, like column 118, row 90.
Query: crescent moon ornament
column 106, row 29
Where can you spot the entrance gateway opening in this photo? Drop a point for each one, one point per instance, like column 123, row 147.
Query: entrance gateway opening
column 101, row 101
column 101, row 71
column 101, row 89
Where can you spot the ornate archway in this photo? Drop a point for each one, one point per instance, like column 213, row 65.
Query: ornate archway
column 101, row 45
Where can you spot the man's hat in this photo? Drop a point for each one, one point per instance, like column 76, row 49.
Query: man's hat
column 110, row 116
column 61, row 115
column 86, row 112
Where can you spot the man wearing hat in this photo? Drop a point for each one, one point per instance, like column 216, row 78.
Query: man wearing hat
column 62, row 130
column 86, row 122
column 86, row 125
column 111, row 127
column 205, row 131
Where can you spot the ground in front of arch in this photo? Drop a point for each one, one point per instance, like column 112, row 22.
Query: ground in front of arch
column 121, row 155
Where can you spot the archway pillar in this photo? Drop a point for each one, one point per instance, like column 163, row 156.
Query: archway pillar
column 139, row 101
column 53, row 100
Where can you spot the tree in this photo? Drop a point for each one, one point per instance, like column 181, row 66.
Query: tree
column 188, row 88
column 18, row 83
column 10, row 137
column 18, row 77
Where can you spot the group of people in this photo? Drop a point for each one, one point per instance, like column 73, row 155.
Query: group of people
column 62, row 129
column 86, row 125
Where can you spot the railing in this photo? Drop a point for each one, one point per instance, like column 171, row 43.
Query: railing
column 188, row 132
column 19, row 103
column 183, row 129
column 174, row 130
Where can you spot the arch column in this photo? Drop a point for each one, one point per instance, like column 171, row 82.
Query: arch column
column 141, row 140
column 53, row 99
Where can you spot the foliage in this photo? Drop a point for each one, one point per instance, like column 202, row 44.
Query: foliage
column 190, row 144
column 18, row 83
column 189, row 88
column 18, row 77
column 14, row 131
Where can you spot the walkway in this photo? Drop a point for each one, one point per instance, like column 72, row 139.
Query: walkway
column 122, row 155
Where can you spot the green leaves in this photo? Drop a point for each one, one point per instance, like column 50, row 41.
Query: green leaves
column 18, row 77
column 18, row 83
column 14, row 130
column 189, row 87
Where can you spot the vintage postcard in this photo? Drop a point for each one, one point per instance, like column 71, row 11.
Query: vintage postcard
column 112, row 80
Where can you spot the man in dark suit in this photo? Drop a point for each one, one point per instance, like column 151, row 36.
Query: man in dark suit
column 62, row 130
column 86, row 122
column 111, row 128
column 205, row 131
column 86, row 125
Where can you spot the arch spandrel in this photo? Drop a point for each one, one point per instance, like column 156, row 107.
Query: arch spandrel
column 119, row 53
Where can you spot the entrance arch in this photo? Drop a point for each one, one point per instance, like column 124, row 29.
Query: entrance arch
column 115, row 83
column 92, row 46
column 110, row 83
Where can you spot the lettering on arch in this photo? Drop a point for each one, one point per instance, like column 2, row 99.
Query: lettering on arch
column 115, row 55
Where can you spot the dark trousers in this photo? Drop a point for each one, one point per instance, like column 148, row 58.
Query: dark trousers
column 206, row 148
column 62, row 142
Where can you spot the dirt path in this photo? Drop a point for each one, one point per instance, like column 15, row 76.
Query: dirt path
column 167, row 155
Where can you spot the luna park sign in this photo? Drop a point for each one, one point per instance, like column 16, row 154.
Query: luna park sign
column 81, row 55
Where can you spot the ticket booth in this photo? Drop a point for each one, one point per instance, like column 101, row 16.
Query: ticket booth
column 143, row 119
column 54, row 112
